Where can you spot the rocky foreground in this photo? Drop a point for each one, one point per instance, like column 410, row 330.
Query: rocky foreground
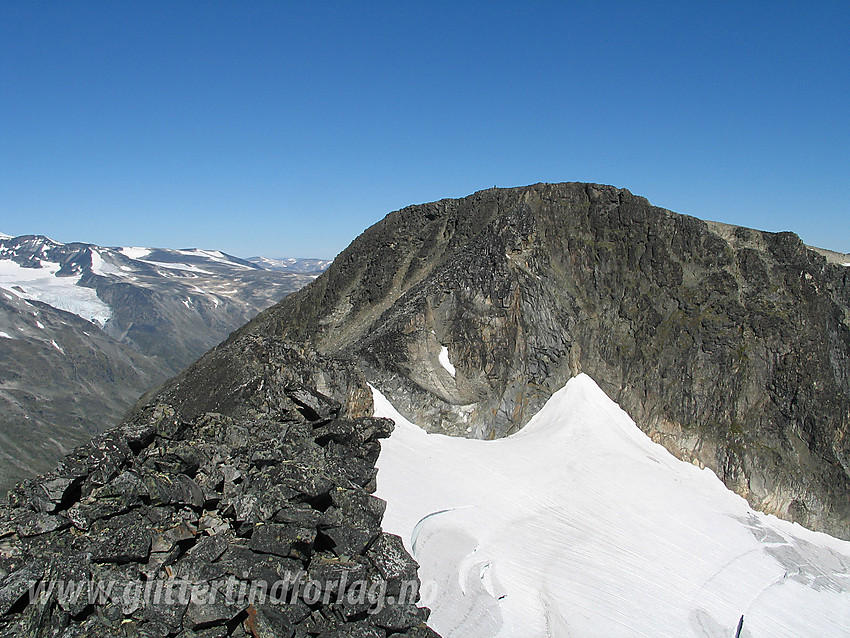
column 253, row 519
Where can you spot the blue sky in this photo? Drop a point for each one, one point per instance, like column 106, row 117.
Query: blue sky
column 285, row 129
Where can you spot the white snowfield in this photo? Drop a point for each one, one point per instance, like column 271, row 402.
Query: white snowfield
column 42, row 284
column 580, row 526
column 213, row 255
column 134, row 252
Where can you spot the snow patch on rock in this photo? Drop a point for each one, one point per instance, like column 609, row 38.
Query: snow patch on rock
column 135, row 252
column 443, row 357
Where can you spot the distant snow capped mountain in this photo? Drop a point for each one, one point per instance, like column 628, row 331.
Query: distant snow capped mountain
column 38, row 268
column 154, row 298
column 144, row 314
column 186, row 257
column 292, row 264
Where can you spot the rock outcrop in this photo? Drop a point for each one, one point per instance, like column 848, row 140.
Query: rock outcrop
column 728, row 345
column 236, row 501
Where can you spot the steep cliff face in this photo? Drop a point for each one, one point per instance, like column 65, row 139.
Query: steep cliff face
column 728, row 345
column 236, row 501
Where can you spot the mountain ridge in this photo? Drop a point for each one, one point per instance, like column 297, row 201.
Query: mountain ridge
column 257, row 520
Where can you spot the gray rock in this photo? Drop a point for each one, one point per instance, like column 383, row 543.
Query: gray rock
column 35, row 523
column 205, row 615
column 361, row 629
column 294, row 514
column 397, row 618
column 328, row 568
column 265, row 623
column 17, row 584
column 393, row 562
column 288, row 541
column 55, row 489
column 350, row 540
column 313, row 405
column 72, row 569
column 228, row 505
column 421, row 631
column 121, row 539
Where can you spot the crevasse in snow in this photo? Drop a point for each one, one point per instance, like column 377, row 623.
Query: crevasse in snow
column 580, row 525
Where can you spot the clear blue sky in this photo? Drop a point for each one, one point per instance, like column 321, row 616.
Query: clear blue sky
column 283, row 129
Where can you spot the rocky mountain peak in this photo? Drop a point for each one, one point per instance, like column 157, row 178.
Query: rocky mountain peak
column 731, row 346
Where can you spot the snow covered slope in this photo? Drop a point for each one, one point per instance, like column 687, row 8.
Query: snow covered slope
column 579, row 525
column 65, row 293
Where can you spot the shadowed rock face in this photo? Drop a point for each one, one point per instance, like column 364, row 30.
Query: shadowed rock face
column 728, row 345
column 237, row 477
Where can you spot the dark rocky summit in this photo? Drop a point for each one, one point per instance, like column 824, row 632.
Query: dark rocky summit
column 728, row 345
column 236, row 501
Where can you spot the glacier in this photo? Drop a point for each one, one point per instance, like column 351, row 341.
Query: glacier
column 580, row 525
column 64, row 293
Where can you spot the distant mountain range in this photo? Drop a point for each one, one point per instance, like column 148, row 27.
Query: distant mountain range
column 85, row 329
column 292, row 264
